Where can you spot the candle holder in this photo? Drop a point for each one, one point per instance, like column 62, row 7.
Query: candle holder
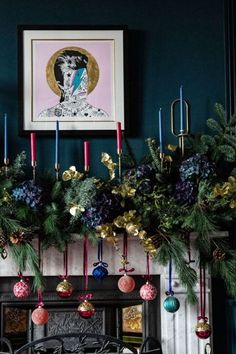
column 6, row 163
column 162, row 158
column 57, row 170
column 119, row 153
column 86, row 170
column 34, row 164
column 183, row 132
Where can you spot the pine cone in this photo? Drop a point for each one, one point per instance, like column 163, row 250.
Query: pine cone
column 218, row 254
column 156, row 240
column 17, row 237
column 3, row 239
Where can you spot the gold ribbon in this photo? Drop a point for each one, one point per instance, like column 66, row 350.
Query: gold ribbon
column 107, row 161
column 75, row 208
column 124, row 190
column 72, row 174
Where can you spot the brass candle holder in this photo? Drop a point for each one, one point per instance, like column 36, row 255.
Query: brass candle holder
column 6, row 163
column 34, row 164
column 162, row 158
column 119, row 153
column 184, row 132
column 86, row 170
column 57, row 170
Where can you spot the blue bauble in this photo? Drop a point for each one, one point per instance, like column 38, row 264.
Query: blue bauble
column 100, row 272
column 171, row 304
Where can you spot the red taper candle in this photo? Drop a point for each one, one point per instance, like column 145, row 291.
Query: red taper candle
column 119, row 137
column 86, row 155
column 33, row 147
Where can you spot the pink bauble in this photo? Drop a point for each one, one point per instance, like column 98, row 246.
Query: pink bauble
column 21, row 289
column 40, row 316
column 148, row 292
column 126, row 283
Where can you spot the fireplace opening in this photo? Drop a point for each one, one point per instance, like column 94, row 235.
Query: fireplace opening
column 122, row 315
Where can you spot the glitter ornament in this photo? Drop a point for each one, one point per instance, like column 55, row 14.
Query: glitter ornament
column 100, row 272
column 171, row 304
column 40, row 316
column 64, row 289
column 126, row 283
column 203, row 329
column 148, row 291
column 21, row 289
column 86, row 309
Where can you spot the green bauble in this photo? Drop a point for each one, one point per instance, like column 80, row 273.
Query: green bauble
column 171, row 304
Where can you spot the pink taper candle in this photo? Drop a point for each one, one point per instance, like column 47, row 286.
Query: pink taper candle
column 86, row 155
column 119, row 137
column 33, row 147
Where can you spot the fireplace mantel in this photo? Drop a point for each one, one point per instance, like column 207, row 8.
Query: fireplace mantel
column 177, row 331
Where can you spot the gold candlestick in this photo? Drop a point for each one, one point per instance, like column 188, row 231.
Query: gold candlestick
column 86, row 170
column 6, row 163
column 34, row 164
column 162, row 157
column 119, row 152
column 57, row 170
column 183, row 133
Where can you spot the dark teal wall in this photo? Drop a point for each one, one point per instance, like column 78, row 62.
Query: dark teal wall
column 170, row 43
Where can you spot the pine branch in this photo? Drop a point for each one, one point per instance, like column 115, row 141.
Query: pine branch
column 176, row 248
column 155, row 153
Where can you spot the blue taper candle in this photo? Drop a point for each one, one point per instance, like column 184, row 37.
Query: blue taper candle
column 160, row 131
column 181, row 109
column 5, row 140
column 57, row 147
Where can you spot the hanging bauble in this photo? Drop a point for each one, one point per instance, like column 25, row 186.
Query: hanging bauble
column 171, row 304
column 40, row 316
column 203, row 329
column 21, row 289
column 148, row 291
column 64, row 289
column 126, row 283
column 100, row 272
column 86, row 309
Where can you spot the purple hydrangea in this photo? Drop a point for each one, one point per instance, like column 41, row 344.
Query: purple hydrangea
column 144, row 171
column 196, row 166
column 185, row 192
column 146, row 187
column 104, row 209
column 28, row 192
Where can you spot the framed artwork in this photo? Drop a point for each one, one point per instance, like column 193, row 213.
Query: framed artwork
column 74, row 75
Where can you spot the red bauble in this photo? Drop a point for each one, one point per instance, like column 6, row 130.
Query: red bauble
column 203, row 329
column 148, row 292
column 40, row 316
column 21, row 289
column 126, row 283
column 86, row 309
column 64, row 289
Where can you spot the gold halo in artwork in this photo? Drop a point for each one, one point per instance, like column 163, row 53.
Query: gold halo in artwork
column 92, row 69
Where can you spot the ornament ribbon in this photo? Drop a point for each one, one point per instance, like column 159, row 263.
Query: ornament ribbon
column 65, row 260
column 85, row 297
column 147, row 276
column 40, row 298
column 124, row 256
column 85, row 264
column 20, row 275
column 202, row 294
column 100, row 255
column 170, row 290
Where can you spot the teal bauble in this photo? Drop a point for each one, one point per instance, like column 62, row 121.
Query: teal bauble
column 171, row 304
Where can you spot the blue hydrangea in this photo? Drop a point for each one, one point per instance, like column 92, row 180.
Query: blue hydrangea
column 196, row 166
column 104, row 209
column 29, row 193
column 144, row 171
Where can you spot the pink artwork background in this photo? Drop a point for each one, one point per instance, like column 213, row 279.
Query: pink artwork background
column 100, row 97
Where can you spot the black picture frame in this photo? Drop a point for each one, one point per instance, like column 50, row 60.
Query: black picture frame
column 72, row 74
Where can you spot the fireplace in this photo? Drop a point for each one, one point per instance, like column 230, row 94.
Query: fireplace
column 113, row 310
